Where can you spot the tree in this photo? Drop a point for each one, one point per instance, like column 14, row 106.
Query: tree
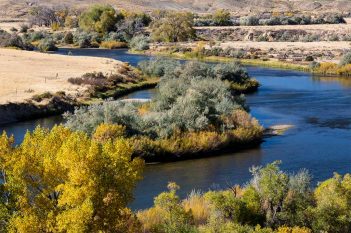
column 333, row 210
column 99, row 18
column 272, row 186
column 174, row 27
column 222, row 18
column 62, row 181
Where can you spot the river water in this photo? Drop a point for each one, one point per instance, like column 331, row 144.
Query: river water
column 320, row 141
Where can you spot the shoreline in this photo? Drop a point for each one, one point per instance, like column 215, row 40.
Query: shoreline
column 248, row 62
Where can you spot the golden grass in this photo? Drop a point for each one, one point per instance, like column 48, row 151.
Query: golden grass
column 113, row 45
column 198, row 206
column 150, row 218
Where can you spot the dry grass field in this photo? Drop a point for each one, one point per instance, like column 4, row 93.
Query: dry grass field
column 24, row 73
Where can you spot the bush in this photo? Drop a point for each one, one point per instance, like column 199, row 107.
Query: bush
column 13, row 40
column 46, row 45
column 346, row 59
column 113, row 45
column 309, row 58
column 139, row 43
column 68, row 39
column 249, row 21
column 24, row 28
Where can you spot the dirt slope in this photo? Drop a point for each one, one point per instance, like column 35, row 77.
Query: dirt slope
column 12, row 8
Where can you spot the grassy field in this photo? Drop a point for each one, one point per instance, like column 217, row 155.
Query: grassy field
column 24, row 74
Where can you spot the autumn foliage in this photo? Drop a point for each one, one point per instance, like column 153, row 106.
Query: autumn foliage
column 63, row 181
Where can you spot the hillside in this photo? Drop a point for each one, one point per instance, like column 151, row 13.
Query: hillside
column 17, row 8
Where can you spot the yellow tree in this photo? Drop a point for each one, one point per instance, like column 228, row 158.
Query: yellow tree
column 63, row 181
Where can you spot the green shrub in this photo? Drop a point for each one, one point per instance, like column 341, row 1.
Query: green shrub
column 46, row 45
column 309, row 58
column 249, row 21
column 139, row 43
column 346, row 59
column 68, row 39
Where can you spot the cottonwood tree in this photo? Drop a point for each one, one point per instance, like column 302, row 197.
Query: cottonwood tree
column 63, row 181
column 174, row 27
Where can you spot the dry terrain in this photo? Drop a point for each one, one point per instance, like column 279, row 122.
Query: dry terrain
column 24, row 73
column 18, row 8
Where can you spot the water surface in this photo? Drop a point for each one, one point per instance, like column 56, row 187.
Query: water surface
column 319, row 108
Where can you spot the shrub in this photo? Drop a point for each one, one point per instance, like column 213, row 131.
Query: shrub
column 71, row 22
column 249, row 21
column 13, row 40
column 309, row 58
column 68, row 39
column 105, row 132
column 113, row 45
column 346, row 59
column 47, row 44
column 13, row 29
column 139, row 43
column 41, row 97
column 24, row 28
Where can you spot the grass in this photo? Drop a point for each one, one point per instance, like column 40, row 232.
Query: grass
column 113, row 45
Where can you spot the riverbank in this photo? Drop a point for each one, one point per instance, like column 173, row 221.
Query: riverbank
column 264, row 54
column 42, row 84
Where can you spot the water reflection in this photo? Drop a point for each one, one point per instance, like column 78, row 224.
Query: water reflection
column 344, row 81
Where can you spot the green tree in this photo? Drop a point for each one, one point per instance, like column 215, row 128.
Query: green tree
column 272, row 186
column 63, row 181
column 175, row 27
column 99, row 18
column 333, row 210
column 222, row 18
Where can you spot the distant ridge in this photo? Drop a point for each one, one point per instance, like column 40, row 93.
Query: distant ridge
column 19, row 8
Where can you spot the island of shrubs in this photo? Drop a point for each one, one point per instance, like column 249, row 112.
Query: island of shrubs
column 197, row 110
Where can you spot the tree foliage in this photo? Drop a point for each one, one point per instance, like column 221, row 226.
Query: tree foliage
column 62, row 181
column 174, row 27
column 99, row 18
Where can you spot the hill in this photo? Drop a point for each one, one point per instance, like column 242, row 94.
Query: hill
column 18, row 8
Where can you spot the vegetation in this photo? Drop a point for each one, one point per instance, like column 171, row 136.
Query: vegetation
column 113, row 85
column 346, row 59
column 174, row 27
column 139, row 43
column 46, row 45
column 113, row 45
column 63, row 181
column 223, row 18
column 13, row 40
column 99, row 18
column 193, row 112
column 233, row 73
column 273, row 201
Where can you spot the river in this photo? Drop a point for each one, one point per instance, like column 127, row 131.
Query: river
column 320, row 141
